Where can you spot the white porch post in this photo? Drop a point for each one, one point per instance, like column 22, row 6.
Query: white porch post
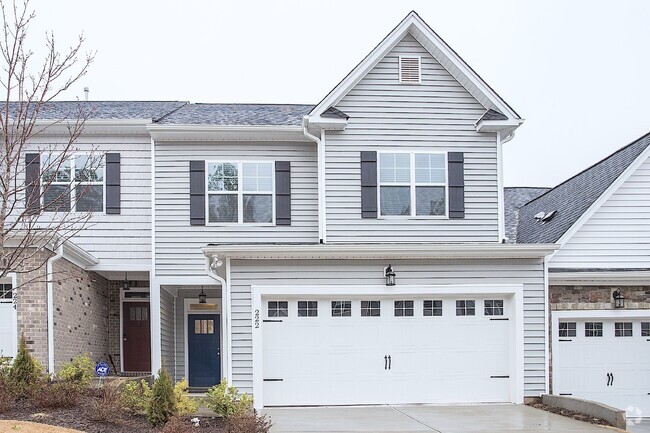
column 156, row 352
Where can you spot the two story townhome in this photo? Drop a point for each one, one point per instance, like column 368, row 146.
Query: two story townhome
column 350, row 252
column 599, row 294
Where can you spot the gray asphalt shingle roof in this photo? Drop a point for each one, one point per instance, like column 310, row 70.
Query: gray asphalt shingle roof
column 574, row 196
column 106, row 110
column 514, row 198
column 239, row 114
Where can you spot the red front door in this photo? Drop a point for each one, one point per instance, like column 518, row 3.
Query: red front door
column 137, row 336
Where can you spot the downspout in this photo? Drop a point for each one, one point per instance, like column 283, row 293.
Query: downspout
column 320, row 145
column 500, row 192
column 50, row 308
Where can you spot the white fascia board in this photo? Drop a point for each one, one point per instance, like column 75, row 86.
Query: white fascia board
column 381, row 251
column 56, row 127
column 610, row 277
column 604, row 197
column 419, row 29
column 189, row 132
column 327, row 123
column 77, row 255
column 498, row 125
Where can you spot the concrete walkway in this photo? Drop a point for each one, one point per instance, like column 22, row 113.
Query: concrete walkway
column 425, row 419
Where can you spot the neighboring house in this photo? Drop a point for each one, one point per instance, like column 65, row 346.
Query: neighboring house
column 600, row 344
column 350, row 252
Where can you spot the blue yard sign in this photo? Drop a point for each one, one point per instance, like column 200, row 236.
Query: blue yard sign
column 102, row 369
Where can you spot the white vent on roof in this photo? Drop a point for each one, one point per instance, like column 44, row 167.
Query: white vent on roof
column 409, row 70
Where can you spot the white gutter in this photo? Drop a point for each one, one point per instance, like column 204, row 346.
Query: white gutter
column 50, row 309
column 320, row 144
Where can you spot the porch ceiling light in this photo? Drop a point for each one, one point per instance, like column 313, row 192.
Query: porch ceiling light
column 203, row 298
column 619, row 299
column 126, row 284
column 390, row 275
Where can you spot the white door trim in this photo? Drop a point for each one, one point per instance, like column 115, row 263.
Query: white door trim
column 186, row 313
column 556, row 316
column 122, row 301
column 13, row 280
column 517, row 330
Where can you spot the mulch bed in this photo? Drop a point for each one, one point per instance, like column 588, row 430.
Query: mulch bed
column 570, row 414
column 79, row 418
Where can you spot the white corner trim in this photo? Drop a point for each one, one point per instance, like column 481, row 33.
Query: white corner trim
column 604, row 197
column 411, row 23
column 517, row 330
column 547, row 346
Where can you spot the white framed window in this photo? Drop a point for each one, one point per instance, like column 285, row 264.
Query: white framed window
column 493, row 307
column 593, row 329
column 240, row 192
column 6, row 293
column 412, row 184
column 307, row 308
column 341, row 308
column 623, row 329
column 465, row 307
column 567, row 329
column 432, row 308
column 404, row 308
column 370, row 308
column 75, row 183
column 278, row 309
column 645, row 329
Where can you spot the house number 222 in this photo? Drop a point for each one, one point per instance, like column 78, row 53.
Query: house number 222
column 257, row 319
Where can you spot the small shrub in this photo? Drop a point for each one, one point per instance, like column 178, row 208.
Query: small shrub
column 135, row 396
column 178, row 424
column 108, row 407
column 80, row 371
column 185, row 406
column 225, row 401
column 7, row 399
column 163, row 404
column 52, row 395
column 248, row 422
column 25, row 372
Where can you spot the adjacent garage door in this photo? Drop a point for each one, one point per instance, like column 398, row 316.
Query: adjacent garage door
column 325, row 351
column 604, row 360
column 7, row 321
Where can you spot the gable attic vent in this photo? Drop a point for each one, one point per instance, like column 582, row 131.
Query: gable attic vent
column 409, row 70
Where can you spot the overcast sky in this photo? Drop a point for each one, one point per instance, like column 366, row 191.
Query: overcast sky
column 577, row 71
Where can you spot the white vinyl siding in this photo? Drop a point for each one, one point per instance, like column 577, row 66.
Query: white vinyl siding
column 385, row 116
column 178, row 245
column 167, row 331
column 124, row 239
column 618, row 234
column 363, row 272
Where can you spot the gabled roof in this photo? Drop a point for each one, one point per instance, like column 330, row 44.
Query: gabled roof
column 513, row 199
column 105, row 110
column 439, row 49
column 238, row 114
column 574, row 197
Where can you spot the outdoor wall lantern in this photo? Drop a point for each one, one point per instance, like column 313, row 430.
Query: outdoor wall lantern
column 203, row 298
column 619, row 299
column 390, row 275
column 126, row 285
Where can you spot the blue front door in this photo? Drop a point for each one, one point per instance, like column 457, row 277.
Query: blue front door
column 204, row 350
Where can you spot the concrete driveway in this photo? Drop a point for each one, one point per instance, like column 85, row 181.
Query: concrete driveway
column 424, row 419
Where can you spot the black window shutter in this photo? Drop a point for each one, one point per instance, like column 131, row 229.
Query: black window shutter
column 32, row 183
column 197, row 193
column 368, row 184
column 282, row 193
column 455, row 163
column 113, row 184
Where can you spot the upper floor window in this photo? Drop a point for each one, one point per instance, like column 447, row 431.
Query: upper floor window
column 240, row 192
column 413, row 184
column 74, row 183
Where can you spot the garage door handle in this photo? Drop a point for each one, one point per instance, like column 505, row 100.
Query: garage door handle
column 385, row 362
column 389, row 362
column 610, row 379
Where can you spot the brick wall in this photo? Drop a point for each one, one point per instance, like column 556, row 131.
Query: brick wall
column 597, row 297
column 81, row 314
column 114, row 336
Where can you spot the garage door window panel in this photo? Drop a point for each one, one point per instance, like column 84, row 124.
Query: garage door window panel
column 623, row 329
column 6, row 293
column 432, row 308
column 370, row 308
column 493, row 307
column 278, row 309
column 465, row 308
column 341, row 308
column 307, row 308
column 567, row 329
column 645, row 329
column 593, row 329
column 404, row 308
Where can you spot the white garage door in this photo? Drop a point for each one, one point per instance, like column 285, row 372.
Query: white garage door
column 325, row 351
column 605, row 360
column 7, row 322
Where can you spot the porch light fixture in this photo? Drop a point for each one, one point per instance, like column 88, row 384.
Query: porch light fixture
column 619, row 299
column 203, row 298
column 126, row 284
column 390, row 275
